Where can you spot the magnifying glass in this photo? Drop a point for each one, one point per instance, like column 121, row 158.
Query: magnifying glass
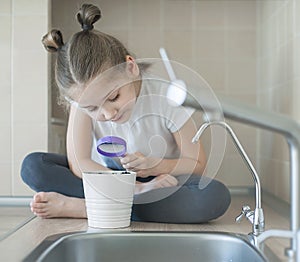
column 112, row 146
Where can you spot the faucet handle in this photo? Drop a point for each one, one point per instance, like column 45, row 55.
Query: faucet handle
column 246, row 211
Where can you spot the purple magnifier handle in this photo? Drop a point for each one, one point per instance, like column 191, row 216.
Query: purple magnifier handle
column 111, row 146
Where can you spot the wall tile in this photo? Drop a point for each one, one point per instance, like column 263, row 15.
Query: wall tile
column 266, row 99
column 278, row 99
column 210, row 14
column 240, row 14
column 137, row 40
column 269, row 8
column 296, row 17
column 289, row 61
column 34, row 77
column 213, row 71
column 274, row 32
column 23, row 41
column 5, row 71
column 5, row 7
column 241, row 76
column 27, row 112
column 57, row 136
column 296, row 56
column 283, row 26
column 266, row 174
column 284, row 98
column 122, row 35
column 241, row 44
column 274, row 146
column 5, row 56
column 209, row 44
column 233, row 172
column 266, row 39
column 282, row 180
column 145, row 14
column 247, row 136
column 295, row 99
column 5, row 106
column 5, row 141
column 265, row 73
column 28, row 138
column 291, row 26
column 6, row 181
column 30, row 86
column 249, row 98
column 179, row 46
column 279, row 67
column 63, row 17
column 5, row 31
column 115, row 14
column 178, row 15
column 21, row 7
column 281, row 149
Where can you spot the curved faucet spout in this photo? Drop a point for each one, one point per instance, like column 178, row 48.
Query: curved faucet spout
column 258, row 220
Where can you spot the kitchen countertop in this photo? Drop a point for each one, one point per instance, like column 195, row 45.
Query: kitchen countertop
column 21, row 243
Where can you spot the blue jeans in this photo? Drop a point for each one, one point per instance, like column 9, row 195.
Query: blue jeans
column 185, row 203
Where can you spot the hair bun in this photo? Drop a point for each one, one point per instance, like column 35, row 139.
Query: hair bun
column 53, row 41
column 87, row 15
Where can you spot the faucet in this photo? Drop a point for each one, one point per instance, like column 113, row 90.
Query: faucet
column 274, row 122
column 255, row 217
column 202, row 100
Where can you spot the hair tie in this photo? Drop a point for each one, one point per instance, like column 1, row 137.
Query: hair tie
column 87, row 27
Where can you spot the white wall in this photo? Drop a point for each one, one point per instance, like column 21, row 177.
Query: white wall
column 24, row 88
column 248, row 50
column 278, row 85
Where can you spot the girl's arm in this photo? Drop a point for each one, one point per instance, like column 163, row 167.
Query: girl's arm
column 79, row 143
column 191, row 161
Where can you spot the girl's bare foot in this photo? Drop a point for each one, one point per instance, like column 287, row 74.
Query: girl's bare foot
column 158, row 182
column 52, row 204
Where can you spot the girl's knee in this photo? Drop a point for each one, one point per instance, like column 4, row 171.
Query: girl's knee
column 31, row 166
column 222, row 197
column 214, row 197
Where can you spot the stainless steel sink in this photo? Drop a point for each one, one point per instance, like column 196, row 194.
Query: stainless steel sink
column 149, row 247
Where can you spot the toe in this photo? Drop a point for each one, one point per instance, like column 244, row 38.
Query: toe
column 39, row 207
column 40, row 197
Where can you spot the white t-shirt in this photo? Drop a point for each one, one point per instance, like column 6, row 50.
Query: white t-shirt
column 150, row 127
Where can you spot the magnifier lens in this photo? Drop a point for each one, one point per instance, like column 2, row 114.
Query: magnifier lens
column 111, row 146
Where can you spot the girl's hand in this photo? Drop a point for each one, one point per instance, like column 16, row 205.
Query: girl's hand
column 160, row 181
column 143, row 166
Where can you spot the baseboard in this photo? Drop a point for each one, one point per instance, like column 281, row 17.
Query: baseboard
column 15, row 201
column 279, row 205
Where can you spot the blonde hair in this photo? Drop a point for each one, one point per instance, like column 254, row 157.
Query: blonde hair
column 87, row 52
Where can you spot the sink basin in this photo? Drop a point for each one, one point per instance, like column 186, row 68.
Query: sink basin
column 149, row 247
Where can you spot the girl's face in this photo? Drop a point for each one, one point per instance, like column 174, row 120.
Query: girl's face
column 112, row 98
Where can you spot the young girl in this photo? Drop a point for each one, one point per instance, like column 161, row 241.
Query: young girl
column 111, row 94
